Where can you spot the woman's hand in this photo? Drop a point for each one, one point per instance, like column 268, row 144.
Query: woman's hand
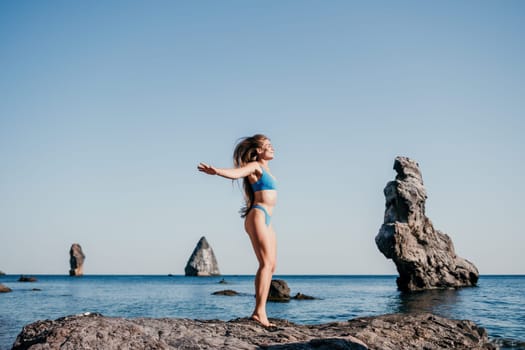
column 208, row 169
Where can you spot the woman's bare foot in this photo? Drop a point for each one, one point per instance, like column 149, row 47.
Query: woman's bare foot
column 263, row 322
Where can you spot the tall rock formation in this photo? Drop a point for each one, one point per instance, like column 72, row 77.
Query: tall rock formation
column 202, row 261
column 76, row 260
column 424, row 257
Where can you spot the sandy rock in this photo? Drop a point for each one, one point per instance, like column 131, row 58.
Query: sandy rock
column 396, row 331
column 425, row 257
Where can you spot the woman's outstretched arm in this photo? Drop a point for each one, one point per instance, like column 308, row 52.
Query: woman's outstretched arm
column 230, row 173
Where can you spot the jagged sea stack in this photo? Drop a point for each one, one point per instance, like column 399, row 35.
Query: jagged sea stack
column 76, row 260
column 424, row 257
column 202, row 261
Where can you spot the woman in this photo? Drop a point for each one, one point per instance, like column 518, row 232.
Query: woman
column 250, row 159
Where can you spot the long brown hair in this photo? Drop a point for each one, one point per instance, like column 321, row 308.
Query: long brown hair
column 245, row 152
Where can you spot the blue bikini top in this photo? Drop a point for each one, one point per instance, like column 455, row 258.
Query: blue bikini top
column 265, row 182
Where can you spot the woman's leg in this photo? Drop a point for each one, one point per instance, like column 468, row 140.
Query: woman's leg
column 263, row 242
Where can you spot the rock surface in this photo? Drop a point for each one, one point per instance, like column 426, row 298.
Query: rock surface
column 202, row 261
column 76, row 260
column 396, row 331
column 4, row 289
column 279, row 291
column 424, row 257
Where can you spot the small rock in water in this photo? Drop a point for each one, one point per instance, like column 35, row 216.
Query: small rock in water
column 301, row 296
column 227, row 292
column 279, row 291
column 4, row 289
column 27, row 279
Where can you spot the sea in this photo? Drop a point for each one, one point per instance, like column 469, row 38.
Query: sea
column 497, row 303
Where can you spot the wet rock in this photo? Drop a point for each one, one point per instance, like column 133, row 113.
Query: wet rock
column 76, row 260
column 279, row 291
column 27, row 279
column 202, row 261
column 425, row 257
column 396, row 331
column 4, row 289
column 227, row 292
column 301, row 296
column 504, row 343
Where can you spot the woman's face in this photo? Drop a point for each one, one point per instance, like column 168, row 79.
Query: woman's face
column 266, row 150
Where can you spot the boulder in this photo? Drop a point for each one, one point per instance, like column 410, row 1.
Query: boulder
column 279, row 291
column 425, row 257
column 2, row 273
column 76, row 260
column 395, row 331
column 4, row 289
column 202, row 261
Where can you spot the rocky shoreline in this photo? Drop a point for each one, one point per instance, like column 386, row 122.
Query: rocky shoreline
column 393, row 331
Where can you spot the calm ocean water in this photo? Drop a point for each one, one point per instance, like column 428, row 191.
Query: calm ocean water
column 498, row 303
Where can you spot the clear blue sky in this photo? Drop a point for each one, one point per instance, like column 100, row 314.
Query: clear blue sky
column 108, row 106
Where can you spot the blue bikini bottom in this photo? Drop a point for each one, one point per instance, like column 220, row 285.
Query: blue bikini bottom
column 267, row 217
